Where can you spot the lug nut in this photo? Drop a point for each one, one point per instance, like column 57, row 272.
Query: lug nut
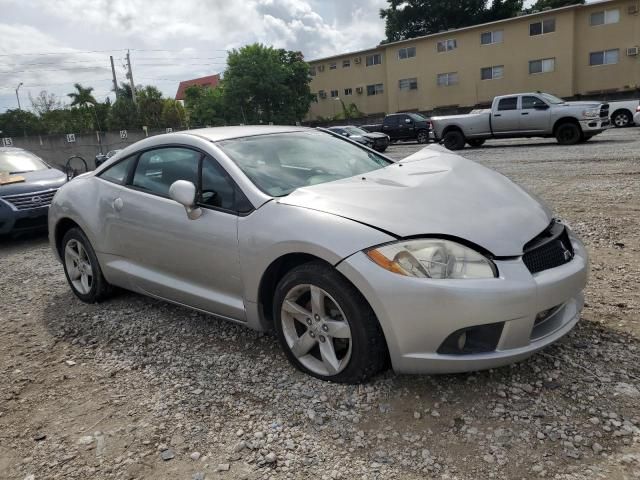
column 309, row 322
column 322, row 339
column 317, row 317
column 312, row 335
column 325, row 328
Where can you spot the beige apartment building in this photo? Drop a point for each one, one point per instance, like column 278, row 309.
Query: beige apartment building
column 587, row 50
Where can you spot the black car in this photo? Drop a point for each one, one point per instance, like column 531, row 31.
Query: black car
column 377, row 141
column 27, row 186
column 404, row 126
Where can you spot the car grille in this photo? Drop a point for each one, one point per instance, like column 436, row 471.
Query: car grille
column 550, row 249
column 604, row 111
column 26, row 201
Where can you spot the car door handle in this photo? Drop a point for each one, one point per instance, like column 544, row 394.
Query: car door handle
column 497, row 115
column 525, row 113
column 117, row 204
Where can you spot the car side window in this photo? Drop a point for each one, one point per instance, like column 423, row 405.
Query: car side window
column 529, row 103
column 509, row 103
column 158, row 169
column 119, row 172
column 391, row 121
column 217, row 188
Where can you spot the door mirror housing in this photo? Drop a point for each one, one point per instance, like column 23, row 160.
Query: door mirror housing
column 184, row 193
column 408, row 121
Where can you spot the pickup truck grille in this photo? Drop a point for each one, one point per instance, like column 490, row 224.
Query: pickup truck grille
column 26, row 201
column 604, row 111
column 550, row 249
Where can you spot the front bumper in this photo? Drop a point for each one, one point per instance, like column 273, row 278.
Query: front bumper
column 418, row 315
column 16, row 221
column 595, row 125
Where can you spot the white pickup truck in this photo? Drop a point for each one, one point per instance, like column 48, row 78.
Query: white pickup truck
column 524, row 115
column 622, row 112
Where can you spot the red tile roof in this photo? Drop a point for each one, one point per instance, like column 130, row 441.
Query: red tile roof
column 210, row 81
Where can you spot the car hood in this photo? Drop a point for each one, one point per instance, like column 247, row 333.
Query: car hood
column 435, row 193
column 35, row 181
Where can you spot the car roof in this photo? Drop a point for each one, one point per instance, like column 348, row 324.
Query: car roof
column 217, row 134
column 12, row 149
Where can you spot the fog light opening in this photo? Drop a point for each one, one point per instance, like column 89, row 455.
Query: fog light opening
column 462, row 341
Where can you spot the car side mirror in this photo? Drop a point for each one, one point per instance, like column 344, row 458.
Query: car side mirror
column 184, row 193
column 408, row 120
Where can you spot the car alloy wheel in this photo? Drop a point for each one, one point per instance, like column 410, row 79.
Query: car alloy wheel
column 423, row 137
column 79, row 267
column 316, row 330
column 621, row 119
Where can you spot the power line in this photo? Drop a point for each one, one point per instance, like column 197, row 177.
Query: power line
column 71, row 52
column 70, row 69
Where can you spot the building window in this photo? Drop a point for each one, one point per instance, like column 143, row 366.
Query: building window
column 333, row 66
column 322, row 94
column 408, row 84
column 447, row 45
column 346, row 63
column 375, row 59
column 334, row 93
column 544, row 65
column 606, row 57
column 487, row 38
column 406, row 52
column 492, row 73
column 605, row 17
column 447, row 79
column 312, row 71
column 377, row 89
column 542, row 27
column 348, row 91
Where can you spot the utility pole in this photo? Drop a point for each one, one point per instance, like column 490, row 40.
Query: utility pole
column 115, row 81
column 130, row 76
column 18, row 95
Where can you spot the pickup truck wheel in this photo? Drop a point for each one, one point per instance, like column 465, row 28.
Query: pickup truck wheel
column 621, row 119
column 423, row 137
column 568, row 134
column 454, row 140
column 476, row 143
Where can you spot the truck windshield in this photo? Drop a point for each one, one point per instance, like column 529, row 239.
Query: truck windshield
column 552, row 99
column 20, row 161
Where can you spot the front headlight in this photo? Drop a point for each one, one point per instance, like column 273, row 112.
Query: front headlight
column 591, row 113
column 432, row 258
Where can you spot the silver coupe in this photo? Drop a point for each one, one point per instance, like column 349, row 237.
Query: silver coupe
column 434, row 264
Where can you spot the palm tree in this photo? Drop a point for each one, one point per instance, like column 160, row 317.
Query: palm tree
column 82, row 96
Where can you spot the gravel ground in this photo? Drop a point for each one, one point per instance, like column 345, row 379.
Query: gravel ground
column 137, row 388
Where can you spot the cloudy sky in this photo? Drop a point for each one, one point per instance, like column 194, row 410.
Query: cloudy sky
column 50, row 44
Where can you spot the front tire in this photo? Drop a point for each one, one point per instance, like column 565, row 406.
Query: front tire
column 423, row 137
column 325, row 326
column 568, row 134
column 622, row 119
column 454, row 140
column 82, row 269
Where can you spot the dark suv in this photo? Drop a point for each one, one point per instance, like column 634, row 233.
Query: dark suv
column 27, row 186
column 404, row 126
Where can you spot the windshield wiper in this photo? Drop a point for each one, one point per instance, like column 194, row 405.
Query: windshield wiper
column 23, row 171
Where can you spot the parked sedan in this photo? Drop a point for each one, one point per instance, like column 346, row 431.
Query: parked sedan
column 376, row 140
column 27, row 185
column 435, row 264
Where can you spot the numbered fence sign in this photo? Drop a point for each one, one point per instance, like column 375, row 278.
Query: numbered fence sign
column 169, row 130
column 7, row 142
column 71, row 138
column 123, row 134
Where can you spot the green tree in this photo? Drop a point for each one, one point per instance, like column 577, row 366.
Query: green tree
column 123, row 115
column 150, row 104
column 413, row 18
column 542, row 4
column 263, row 84
column 82, row 97
column 173, row 114
column 205, row 106
column 15, row 123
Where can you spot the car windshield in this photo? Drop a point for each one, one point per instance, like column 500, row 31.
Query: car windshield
column 20, row 161
column 417, row 117
column 278, row 164
column 355, row 131
column 552, row 98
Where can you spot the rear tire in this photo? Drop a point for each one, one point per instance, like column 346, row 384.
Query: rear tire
column 422, row 137
column 476, row 143
column 454, row 140
column 621, row 119
column 312, row 302
column 568, row 134
column 82, row 269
